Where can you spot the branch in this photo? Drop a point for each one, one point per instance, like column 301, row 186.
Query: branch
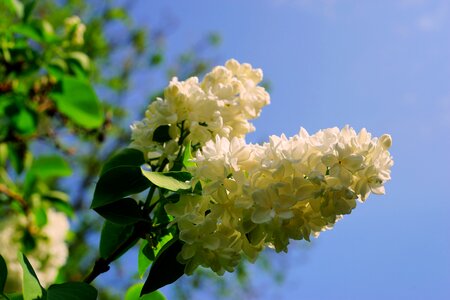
column 102, row 264
column 15, row 196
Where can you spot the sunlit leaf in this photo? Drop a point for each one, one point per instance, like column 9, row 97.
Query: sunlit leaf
column 50, row 166
column 40, row 216
column 32, row 289
column 77, row 99
column 187, row 156
column 31, row 31
column 133, row 293
column 16, row 6
column 144, row 260
column 166, row 180
column 79, row 58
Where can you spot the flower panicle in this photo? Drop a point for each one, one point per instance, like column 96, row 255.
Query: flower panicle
column 253, row 196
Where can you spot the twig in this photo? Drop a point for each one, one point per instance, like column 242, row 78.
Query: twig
column 15, row 196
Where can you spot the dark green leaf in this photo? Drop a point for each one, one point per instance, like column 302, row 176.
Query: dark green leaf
column 166, row 269
column 161, row 134
column 71, row 291
column 29, row 6
column 32, row 289
column 156, row 59
column 124, row 211
column 3, row 274
column 126, row 157
column 50, row 166
column 134, row 291
column 77, row 99
column 118, row 183
column 112, row 236
column 16, row 155
column 28, row 241
column 14, row 296
column 166, row 180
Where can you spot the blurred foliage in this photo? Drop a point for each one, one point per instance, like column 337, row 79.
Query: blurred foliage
column 66, row 85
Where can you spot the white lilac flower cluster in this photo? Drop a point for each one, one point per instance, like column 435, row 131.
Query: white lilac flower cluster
column 252, row 195
column 288, row 188
column 222, row 104
column 49, row 254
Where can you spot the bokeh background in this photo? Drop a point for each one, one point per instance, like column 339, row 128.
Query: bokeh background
column 383, row 65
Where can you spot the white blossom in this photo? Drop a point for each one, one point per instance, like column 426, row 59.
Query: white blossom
column 220, row 105
column 49, row 254
column 265, row 195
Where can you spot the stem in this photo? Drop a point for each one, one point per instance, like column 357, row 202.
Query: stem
column 15, row 196
column 102, row 264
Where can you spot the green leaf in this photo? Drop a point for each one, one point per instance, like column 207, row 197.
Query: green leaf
column 14, row 296
column 156, row 59
column 126, row 157
column 79, row 58
column 48, row 166
column 3, row 274
column 187, row 156
column 161, row 134
column 134, row 291
column 166, row 269
column 147, row 253
column 116, row 13
column 32, row 289
column 72, row 291
column 29, row 6
column 124, row 211
column 112, row 236
column 16, row 155
column 77, row 100
column 118, row 183
column 16, row 114
column 31, row 31
column 166, row 180
column 59, row 201
column 25, row 121
column 144, row 259
column 40, row 215
column 16, row 6
column 57, row 68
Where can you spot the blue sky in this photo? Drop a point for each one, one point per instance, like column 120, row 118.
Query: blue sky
column 383, row 65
